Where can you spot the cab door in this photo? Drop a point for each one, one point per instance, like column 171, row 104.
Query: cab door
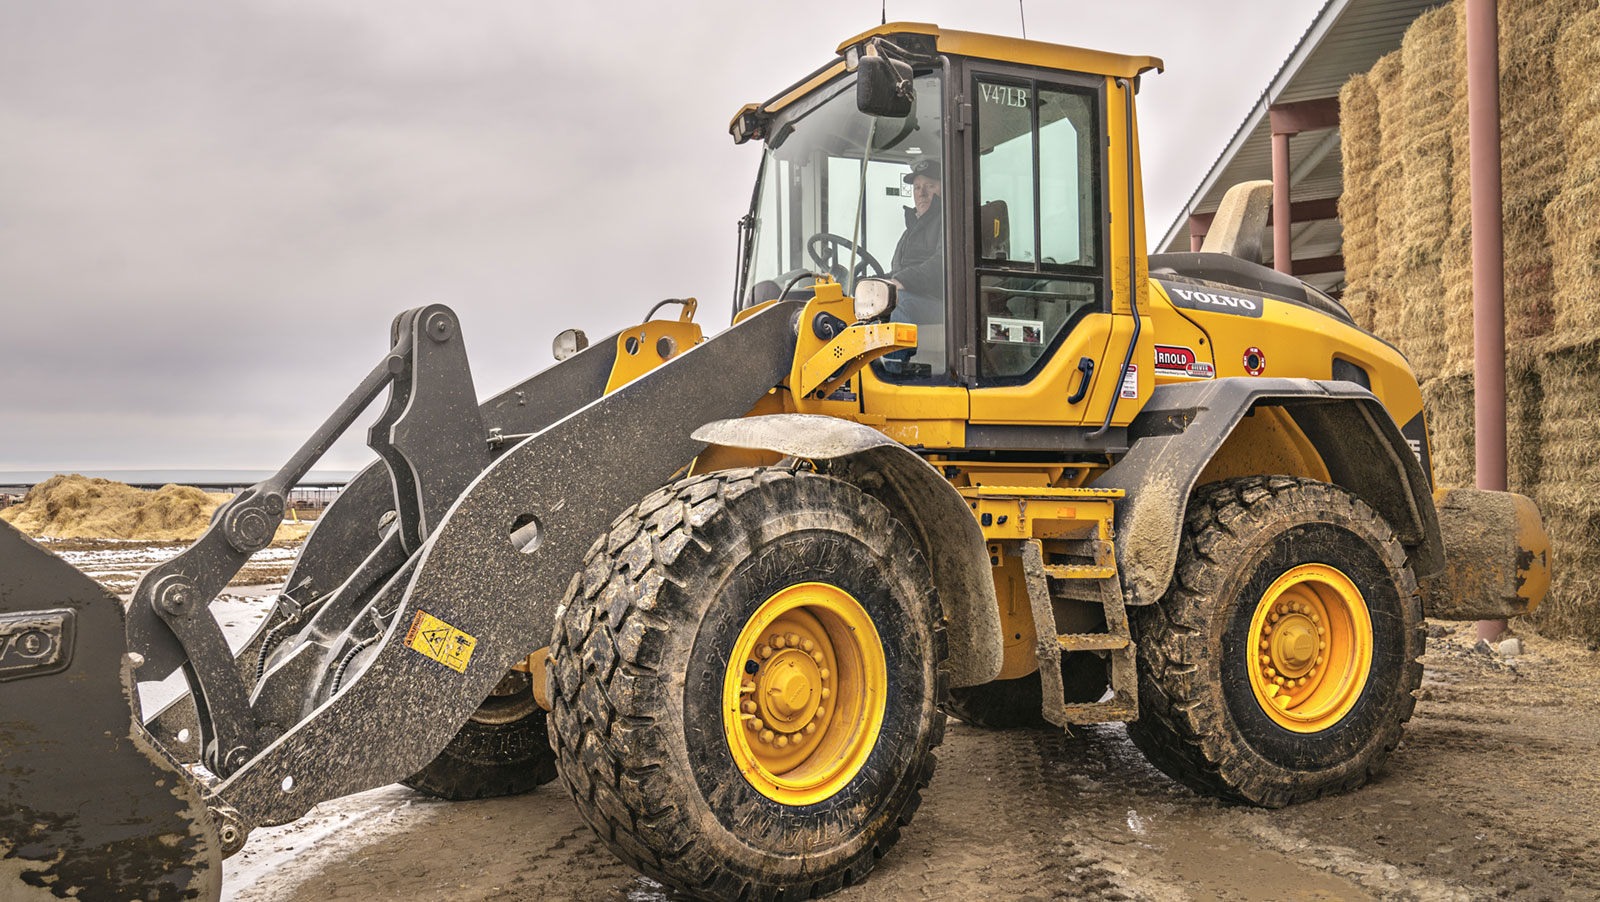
column 1040, row 283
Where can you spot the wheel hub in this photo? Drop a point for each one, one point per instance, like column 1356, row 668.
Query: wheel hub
column 1311, row 648
column 806, row 681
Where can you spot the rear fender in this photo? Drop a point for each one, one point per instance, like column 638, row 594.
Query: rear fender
column 1179, row 431
column 919, row 497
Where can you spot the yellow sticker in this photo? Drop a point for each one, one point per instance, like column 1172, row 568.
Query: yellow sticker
column 440, row 641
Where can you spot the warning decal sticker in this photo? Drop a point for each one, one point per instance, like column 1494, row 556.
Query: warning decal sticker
column 440, row 641
column 1130, row 382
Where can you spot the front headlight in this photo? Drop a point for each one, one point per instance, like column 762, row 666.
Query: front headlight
column 875, row 299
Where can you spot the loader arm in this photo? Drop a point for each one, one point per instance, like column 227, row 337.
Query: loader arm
column 400, row 644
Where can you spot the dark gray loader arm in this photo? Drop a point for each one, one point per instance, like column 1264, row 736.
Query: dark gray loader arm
column 489, row 577
column 1182, row 427
column 919, row 497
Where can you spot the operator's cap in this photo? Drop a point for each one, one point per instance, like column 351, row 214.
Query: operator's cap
column 926, row 166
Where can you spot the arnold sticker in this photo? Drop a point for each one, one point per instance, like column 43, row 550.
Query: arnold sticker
column 1255, row 362
column 435, row 639
column 1193, row 297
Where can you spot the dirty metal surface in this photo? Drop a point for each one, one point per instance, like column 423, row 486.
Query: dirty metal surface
column 480, row 599
column 919, row 497
column 1182, row 426
column 92, row 810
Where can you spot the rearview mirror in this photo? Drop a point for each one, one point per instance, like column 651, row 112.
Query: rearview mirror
column 883, row 87
column 568, row 343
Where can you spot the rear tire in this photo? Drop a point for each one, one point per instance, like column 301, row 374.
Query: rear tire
column 1281, row 664
column 503, row 750
column 668, row 639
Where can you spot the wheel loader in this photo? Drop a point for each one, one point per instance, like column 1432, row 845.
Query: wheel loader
column 729, row 588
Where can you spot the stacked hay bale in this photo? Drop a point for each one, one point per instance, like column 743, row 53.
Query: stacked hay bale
column 1570, row 365
column 1407, row 223
column 1427, row 79
column 1358, row 206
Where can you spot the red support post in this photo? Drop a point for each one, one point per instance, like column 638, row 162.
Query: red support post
column 1197, row 233
column 1282, row 215
column 1488, row 262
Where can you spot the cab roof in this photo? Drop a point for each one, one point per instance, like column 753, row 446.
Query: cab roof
column 971, row 44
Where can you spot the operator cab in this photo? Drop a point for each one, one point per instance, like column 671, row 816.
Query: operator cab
column 1020, row 253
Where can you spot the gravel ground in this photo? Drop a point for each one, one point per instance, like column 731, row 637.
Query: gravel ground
column 1493, row 794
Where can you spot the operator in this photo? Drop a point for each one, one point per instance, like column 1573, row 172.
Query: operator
column 917, row 267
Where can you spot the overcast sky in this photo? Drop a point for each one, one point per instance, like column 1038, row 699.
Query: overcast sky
column 209, row 211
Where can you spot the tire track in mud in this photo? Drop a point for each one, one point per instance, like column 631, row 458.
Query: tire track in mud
column 1491, row 795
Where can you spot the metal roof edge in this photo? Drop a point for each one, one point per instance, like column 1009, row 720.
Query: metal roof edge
column 1309, row 42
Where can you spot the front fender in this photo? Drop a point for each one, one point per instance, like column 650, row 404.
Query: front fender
column 1181, row 428
column 915, row 493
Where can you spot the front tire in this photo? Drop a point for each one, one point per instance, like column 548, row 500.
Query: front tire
column 1281, row 664
column 745, row 683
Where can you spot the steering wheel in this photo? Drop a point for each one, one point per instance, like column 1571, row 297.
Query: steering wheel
column 826, row 249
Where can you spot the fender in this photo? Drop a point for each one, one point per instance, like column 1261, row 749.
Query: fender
column 1182, row 426
column 919, row 497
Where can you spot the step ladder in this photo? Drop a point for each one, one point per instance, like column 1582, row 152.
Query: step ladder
column 1123, row 704
column 1079, row 520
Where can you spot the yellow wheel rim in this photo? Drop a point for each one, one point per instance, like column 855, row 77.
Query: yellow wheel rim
column 1310, row 648
column 805, row 692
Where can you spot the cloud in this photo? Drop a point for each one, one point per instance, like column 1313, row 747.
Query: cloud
column 211, row 211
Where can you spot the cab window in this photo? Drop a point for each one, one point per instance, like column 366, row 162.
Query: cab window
column 1039, row 251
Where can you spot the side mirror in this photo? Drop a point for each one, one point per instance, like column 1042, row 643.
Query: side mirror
column 568, row 343
column 875, row 299
column 883, row 87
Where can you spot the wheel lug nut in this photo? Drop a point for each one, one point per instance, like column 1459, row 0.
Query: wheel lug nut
column 755, row 723
column 1319, row 660
column 766, row 736
column 1322, row 646
column 791, row 638
column 748, row 707
column 1278, row 680
column 783, row 741
column 1264, row 644
column 811, row 728
column 807, row 645
column 1271, row 672
column 825, row 693
column 1265, row 659
column 816, row 656
column 777, row 641
column 823, row 673
column 764, row 652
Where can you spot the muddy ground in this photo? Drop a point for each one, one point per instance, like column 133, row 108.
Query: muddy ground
column 1495, row 793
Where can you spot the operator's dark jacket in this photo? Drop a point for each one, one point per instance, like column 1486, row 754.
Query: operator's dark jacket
column 919, row 257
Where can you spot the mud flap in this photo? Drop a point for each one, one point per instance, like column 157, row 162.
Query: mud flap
column 93, row 808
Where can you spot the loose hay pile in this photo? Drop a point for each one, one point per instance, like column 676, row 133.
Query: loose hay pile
column 1407, row 225
column 78, row 507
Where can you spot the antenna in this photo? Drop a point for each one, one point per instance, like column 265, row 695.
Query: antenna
column 883, row 12
column 1023, row 15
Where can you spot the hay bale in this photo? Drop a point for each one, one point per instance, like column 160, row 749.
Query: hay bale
column 1574, row 214
column 1421, row 323
column 1455, row 277
column 1447, row 409
column 1448, row 404
column 1570, row 434
column 77, row 507
column 1428, row 76
column 1358, row 201
column 1388, row 180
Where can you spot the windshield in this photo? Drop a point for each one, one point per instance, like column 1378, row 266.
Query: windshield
column 848, row 195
